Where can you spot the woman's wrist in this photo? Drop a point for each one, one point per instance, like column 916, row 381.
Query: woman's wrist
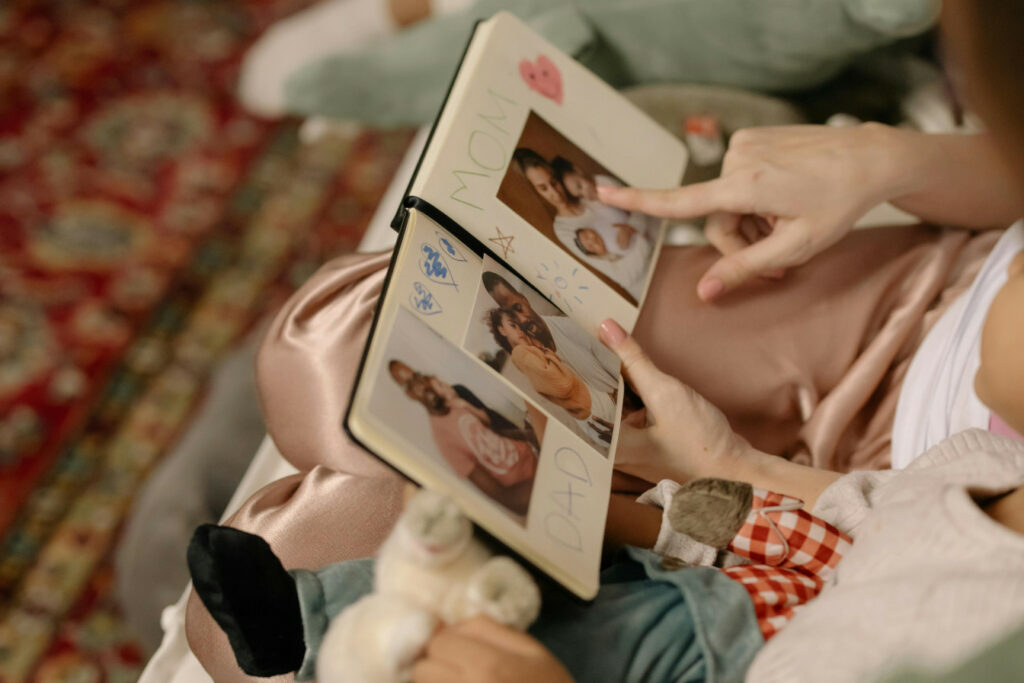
column 775, row 473
column 896, row 164
column 736, row 461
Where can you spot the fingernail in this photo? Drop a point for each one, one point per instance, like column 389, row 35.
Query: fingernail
column 612, row 332
column 709, row 289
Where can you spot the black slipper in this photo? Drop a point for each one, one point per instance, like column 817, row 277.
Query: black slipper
column 251, row 596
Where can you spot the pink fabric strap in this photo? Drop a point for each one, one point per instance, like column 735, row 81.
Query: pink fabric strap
column 997, row 426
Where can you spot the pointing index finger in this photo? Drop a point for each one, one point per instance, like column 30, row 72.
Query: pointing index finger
column 689, row 201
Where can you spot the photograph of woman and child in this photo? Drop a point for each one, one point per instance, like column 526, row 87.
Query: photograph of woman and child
column 545, row 354
column 450, row 407
column 552, row 184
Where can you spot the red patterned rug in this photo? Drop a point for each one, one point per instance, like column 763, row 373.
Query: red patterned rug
column 145, row 223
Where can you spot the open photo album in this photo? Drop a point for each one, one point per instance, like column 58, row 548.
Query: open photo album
column 483, row 376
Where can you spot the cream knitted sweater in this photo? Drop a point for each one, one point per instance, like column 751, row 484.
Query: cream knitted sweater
column 930, row 578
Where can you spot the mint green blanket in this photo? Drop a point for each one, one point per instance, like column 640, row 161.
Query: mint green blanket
column 760, row 45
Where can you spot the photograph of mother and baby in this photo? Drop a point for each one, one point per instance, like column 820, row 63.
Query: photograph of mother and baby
column 552, row 184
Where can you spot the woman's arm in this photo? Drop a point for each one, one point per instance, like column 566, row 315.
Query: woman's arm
column 478, row 412
column 787, row 193
column 951, row 179
column 480, row 649
column 537, row 423
column 515, row 497
column 772, row 473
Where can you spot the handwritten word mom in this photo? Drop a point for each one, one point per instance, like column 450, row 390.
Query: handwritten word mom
column 487, row 149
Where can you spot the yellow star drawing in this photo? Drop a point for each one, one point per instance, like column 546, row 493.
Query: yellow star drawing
column 504, row 241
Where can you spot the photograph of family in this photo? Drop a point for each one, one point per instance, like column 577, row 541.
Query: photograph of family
column 552, row 184
column 459, row 414
column 550, row 358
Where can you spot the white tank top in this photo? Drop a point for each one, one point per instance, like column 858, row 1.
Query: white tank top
column 937, row 399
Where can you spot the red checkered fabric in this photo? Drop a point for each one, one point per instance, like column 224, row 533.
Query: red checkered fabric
column 792, row 554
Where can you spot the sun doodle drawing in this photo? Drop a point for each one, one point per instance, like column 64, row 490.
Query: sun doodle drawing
column 561, row 284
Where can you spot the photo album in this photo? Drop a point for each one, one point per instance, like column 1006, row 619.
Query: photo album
column 483, row 376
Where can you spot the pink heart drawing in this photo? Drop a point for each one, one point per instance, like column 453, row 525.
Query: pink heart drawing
column 542, row 76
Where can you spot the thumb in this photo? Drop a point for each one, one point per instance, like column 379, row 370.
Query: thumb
column 785, row 247
column 638, row 368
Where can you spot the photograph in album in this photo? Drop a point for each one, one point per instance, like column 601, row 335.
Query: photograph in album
column 552, row 184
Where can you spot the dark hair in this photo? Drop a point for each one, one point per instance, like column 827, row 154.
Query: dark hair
column 391, row 368
column 988, row 43
column 526, row 159
column 561, row 167
column 491, row 281
column 493, row 319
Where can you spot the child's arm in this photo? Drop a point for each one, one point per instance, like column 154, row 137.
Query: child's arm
column 515, row 497
column 644, row 525
column 764, row 527
column 631, row 523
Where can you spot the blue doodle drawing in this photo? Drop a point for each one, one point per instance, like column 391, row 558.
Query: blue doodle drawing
column 423, row 301
column 435, row 267
column 448, row 247
column 561, row 285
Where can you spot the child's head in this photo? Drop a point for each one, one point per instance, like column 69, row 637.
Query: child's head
column 505, row 330
column 575, row 182
column 427, row 390
column 590, row 242
column 539, row 174
column 999, row 382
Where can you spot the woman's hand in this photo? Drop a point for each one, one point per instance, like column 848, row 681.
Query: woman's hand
column 679, row 435
column 480, row 650
column 787, row 193
column 784, row 195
